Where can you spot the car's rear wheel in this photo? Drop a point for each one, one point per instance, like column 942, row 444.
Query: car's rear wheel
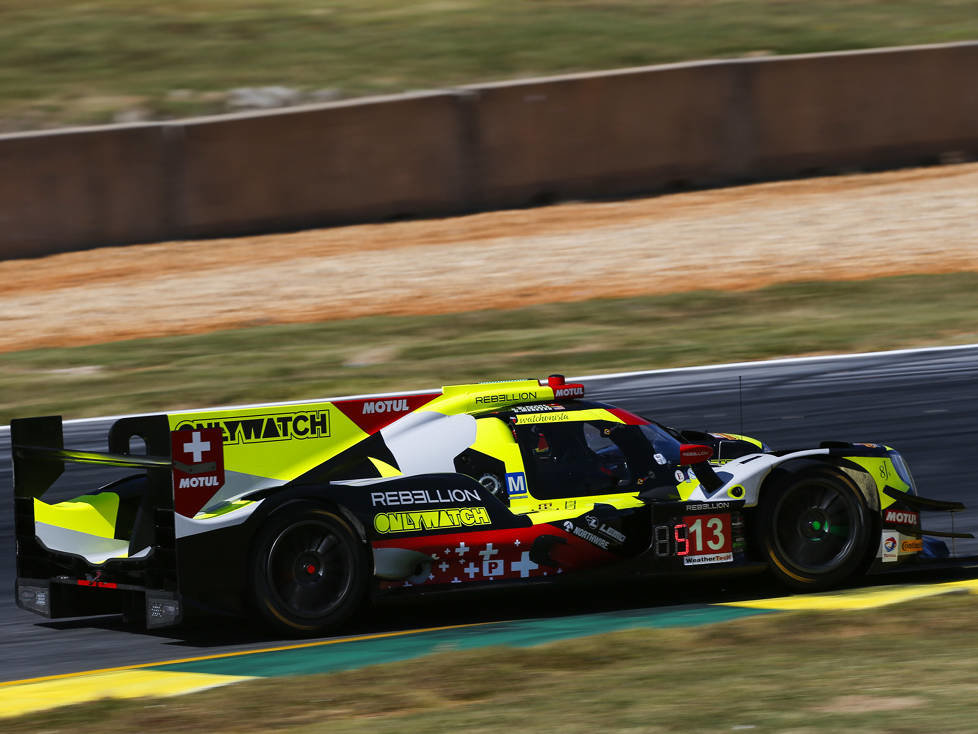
column 815, row 529
column 309, row 569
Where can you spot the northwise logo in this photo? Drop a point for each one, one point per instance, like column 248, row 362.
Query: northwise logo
column 268, row 427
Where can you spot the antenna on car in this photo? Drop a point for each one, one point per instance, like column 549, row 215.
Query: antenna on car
column 740, row 391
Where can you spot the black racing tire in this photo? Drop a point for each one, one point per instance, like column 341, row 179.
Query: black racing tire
column 815, row 529
column 309, row 569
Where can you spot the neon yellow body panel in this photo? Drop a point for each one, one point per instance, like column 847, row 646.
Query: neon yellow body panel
column 93, row 514
column 883, row 472
column 280, row 443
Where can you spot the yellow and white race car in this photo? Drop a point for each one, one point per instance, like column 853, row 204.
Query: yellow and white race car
column 298, row 513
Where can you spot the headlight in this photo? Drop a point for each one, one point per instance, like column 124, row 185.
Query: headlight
column 903, row 470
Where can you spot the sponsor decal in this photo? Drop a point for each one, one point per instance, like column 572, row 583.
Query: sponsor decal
column 570, row 505
column 516, row 484
column 612, row 533
column 555, row 417
column 569, row 391
column 492, row 555
column 536, row 408
column 707, row 558
column 545, row 506
column 901, row 517
column 595, row 524
column 680, row 477
column 708, row 535
column 659, row 459
column 912, row 546
column 263, row 428
column 372, row 414
column 399, row 405
column 888, row 548
column 713, row 506
column 491, row 482
column 693, row 453
column 423, row 497
column 509, row 397
column 585, row 535
column 194, row 482
column 198, row 468
column 444, row 519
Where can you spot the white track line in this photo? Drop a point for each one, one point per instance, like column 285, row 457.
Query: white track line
column 611, row 376
column 782, row 360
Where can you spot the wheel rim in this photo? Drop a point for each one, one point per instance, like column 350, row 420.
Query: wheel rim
column 817, row 525
column 309, row 568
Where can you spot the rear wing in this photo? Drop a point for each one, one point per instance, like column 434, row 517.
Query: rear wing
column 58, row 584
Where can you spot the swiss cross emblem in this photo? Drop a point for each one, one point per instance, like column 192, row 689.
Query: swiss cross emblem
column 198, row 467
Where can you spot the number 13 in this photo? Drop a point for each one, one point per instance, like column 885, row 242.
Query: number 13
column 714, row 526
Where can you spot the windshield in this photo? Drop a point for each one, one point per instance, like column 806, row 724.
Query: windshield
column 597, row 457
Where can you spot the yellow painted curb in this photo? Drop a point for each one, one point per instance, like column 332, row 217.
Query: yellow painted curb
column 240, row 653
column 855, row 598
column 38, row 694
column 30, row 697
column 971, row 585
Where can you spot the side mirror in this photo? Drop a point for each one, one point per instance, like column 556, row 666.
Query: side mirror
column 694, row 453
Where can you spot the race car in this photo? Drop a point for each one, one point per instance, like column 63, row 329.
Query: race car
column 300, row 513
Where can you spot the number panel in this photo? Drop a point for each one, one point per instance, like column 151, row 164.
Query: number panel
column 710, row 539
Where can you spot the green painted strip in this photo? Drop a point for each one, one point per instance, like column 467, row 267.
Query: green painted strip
column 522, row 633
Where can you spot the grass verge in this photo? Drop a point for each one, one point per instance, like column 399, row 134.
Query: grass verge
column 76, row 61
column 272, row 363
column 900, row 669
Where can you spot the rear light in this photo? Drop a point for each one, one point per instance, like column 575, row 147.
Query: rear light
column 96, row 583
column 694, row 453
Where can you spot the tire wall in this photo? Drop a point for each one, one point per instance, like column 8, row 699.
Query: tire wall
column 488, row 146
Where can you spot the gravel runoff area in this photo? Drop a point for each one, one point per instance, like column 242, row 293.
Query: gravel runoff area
column 844, row 227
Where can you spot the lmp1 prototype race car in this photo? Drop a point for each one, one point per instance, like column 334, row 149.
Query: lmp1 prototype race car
column 300, row 512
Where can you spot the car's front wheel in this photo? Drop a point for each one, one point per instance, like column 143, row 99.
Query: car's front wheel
column 308, row 568
column 815, row 529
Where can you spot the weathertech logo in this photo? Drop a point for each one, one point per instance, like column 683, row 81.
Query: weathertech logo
column 268, row 427
column 386, row 406
column 901, row 517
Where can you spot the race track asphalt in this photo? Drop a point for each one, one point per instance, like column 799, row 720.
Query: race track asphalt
column 923, row 402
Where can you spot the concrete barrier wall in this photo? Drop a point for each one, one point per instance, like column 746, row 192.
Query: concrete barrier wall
column 886, row 107
column 488, row 146
column 81, row 188
column 610, row 134
column 338, row 163
column 650, row 129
